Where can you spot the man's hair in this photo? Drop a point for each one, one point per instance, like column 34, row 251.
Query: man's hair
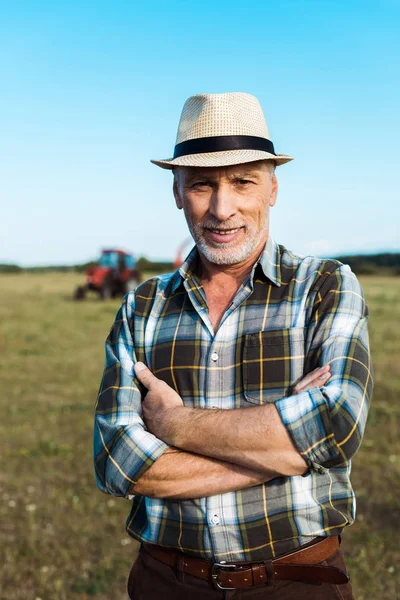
column 272, row 166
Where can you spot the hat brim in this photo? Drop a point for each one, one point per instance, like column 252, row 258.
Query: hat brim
column 221, row 159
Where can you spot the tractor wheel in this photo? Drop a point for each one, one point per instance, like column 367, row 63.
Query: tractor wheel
column 131, row 284
column 106, row 291
column 80, row 292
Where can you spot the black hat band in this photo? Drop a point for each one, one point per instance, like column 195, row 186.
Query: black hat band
column 221, row 143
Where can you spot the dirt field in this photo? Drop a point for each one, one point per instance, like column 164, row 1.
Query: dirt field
column 61, row 539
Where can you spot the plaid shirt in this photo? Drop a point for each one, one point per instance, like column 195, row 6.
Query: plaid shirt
column 291, row 315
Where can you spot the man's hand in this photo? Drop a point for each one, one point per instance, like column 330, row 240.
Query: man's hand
column 316, row 378
column 160, row 405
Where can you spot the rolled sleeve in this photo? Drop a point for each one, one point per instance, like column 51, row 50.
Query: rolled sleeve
column 123, row 448
column 327, row 424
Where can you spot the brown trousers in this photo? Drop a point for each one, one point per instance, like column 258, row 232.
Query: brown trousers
column 150, row 579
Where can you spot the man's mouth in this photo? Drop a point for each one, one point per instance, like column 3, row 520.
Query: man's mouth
column 220, row 235
column 224, row 231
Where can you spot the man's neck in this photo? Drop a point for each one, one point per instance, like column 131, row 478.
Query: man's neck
column 221, row 283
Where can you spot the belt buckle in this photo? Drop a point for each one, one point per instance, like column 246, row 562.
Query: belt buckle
column 214, row 574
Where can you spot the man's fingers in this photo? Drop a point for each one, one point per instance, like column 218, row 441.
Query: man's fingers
column 313, row 383
column 145, row 376
column 314, row 375
column 316, row 378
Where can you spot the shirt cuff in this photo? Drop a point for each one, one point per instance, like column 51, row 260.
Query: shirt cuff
column 307, row 418
column 121, row 464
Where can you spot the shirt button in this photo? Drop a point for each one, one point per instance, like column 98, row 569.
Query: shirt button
column 215, row 520
column 214, row 356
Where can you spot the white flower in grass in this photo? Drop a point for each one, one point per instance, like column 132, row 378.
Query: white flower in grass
column 126, row 542
column 12, row 503
column 30, row 507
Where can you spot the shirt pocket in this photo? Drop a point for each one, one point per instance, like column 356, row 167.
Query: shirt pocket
column 273, row 361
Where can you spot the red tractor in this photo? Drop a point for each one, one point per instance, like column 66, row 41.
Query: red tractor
column 114, row 275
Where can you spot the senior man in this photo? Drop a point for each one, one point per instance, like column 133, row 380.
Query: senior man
column 236, row 390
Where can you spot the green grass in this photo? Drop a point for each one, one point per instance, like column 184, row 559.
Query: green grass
column 64, row 540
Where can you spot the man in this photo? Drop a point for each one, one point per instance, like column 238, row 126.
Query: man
column 236, row 390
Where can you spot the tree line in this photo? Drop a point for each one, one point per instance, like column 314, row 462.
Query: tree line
column 372, row 264
column 143, row 264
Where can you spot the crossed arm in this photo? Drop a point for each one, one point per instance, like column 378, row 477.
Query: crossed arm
column 220, row 450
column 184, row 475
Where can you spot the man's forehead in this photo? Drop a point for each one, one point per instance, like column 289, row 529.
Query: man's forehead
column 232, row 170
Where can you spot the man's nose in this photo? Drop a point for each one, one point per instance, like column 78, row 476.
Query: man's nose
column 223, row 203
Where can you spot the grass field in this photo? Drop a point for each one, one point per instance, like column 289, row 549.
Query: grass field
column 61, row 539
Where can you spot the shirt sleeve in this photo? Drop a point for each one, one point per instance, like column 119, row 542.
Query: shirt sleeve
column 123, row 448
column 327, row 424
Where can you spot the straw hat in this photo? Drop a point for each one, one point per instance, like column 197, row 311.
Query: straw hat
column 217, row 130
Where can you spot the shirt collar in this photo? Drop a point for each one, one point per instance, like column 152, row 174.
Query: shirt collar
column 269, row 261
column 186, row 269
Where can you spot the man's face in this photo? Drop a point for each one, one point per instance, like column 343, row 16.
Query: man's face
column 227, row 208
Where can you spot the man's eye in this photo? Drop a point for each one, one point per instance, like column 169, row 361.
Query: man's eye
column 243, row 181
column 200, row 184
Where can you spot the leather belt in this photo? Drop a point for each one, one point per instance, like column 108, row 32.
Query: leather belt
column 300, row 565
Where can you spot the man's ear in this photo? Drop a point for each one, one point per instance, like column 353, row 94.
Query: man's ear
column 274, row 191
column 178, row 198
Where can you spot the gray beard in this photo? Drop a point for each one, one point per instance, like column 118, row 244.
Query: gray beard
column 225, row 254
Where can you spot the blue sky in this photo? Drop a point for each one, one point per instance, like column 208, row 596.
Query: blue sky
column 90, row 91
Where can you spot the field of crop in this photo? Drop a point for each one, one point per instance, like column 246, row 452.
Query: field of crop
column 61, row 539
